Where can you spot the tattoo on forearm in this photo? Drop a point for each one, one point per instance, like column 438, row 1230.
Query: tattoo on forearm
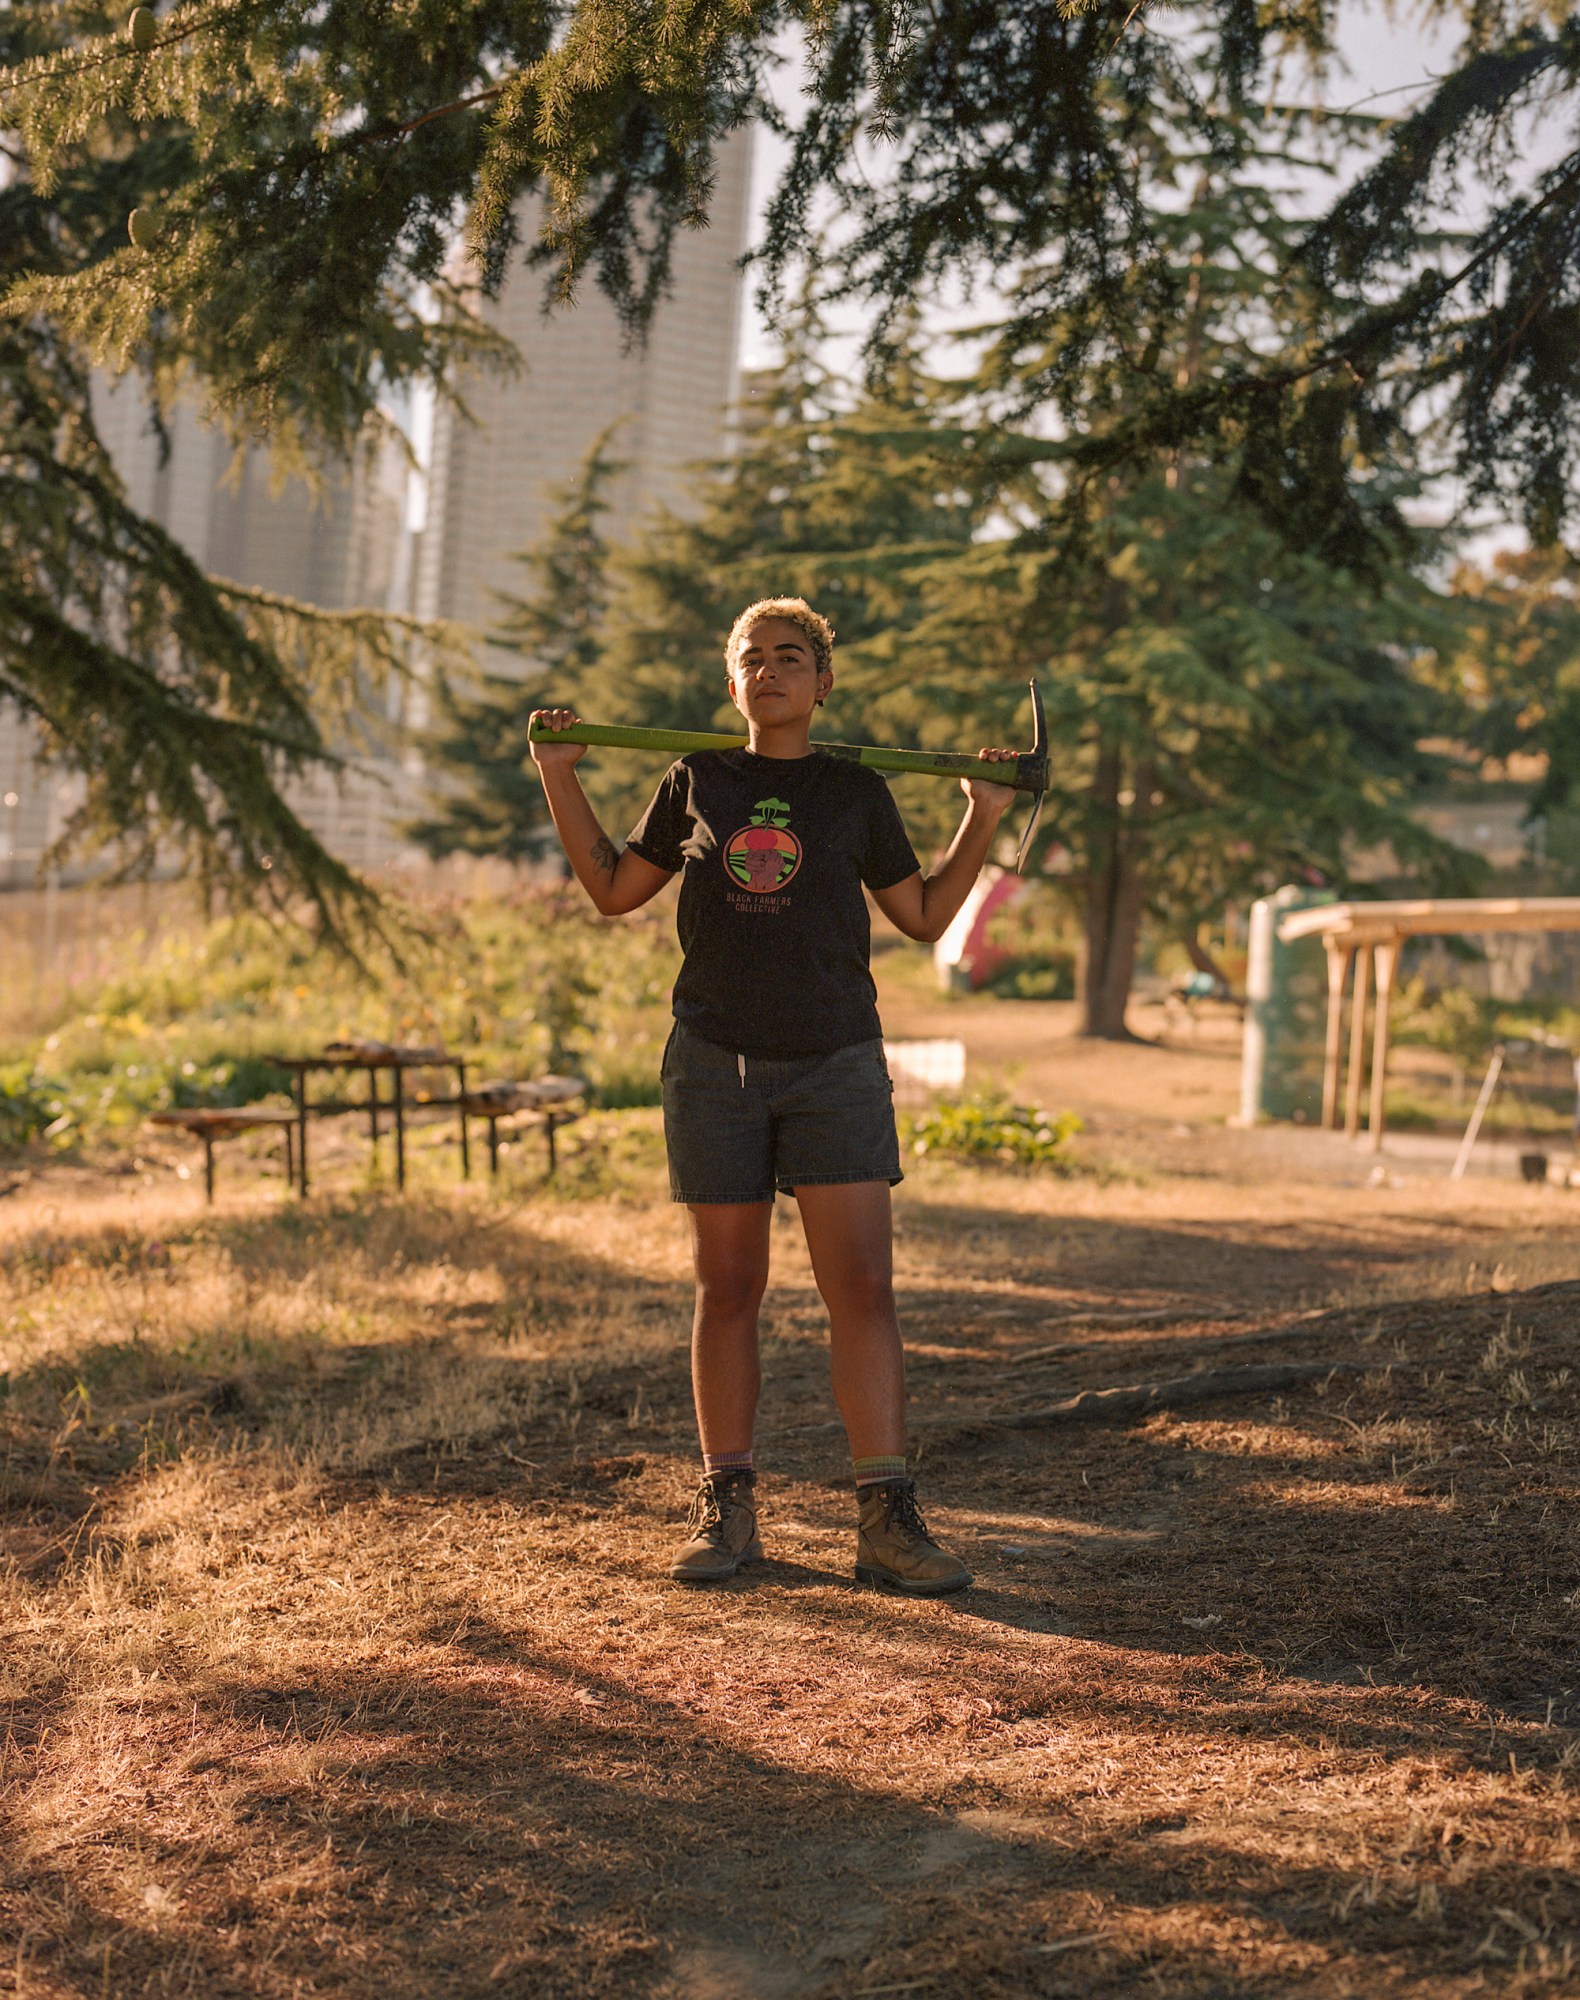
column 605, row 857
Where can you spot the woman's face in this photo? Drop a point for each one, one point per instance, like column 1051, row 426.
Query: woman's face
column 775, row 677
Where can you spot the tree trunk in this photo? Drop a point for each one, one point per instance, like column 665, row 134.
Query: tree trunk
column 1113, row 930
column 1114, row 897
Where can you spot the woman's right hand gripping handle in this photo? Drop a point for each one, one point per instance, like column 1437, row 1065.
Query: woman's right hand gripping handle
column 617, row 881
column 551, row 756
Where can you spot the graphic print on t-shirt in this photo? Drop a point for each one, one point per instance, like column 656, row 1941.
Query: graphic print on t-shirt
column 764, row 854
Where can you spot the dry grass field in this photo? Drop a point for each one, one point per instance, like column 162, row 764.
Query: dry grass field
column 338, row 1658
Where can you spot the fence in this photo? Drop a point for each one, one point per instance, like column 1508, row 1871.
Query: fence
column 56, row 943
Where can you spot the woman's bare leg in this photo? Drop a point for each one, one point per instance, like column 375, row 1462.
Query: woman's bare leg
column 729, row 1244
column 850, row 1235
column 851, row 1238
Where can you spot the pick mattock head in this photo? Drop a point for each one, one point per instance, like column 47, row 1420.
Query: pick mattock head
column 1034, row 774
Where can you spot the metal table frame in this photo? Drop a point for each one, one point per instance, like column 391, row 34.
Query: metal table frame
column 397, row 1062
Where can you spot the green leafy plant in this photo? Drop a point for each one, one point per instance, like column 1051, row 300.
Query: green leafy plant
column 521, row 984
column 25, row 1111
column 1451, row 1019
column 1038, row 976
column 992, row 1128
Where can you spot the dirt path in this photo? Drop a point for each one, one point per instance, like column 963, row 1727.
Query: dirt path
column 338, row 1661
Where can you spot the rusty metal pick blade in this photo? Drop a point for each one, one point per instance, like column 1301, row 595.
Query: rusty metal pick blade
column 1031, row 827
column 1039, row 755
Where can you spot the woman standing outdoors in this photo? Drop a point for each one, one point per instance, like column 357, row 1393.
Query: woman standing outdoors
column 774, row 1077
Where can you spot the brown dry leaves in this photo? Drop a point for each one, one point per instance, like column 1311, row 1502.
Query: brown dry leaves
column 338, row 1660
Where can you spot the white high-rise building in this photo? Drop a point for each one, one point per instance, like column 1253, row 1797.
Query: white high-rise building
column 497, row 460
column 236, row 519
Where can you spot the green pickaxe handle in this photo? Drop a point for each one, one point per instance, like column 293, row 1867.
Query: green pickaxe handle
column 926, row 763
column 1029, row 772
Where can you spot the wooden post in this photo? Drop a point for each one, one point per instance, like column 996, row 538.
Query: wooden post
column 400, row 1125
column 1338, row 971
column 373, row 1114
column 51, row 945
column 1489, row 1084
column 1387, row 958
column 301, row 1133
column 460, row 1099
column 208, row 1166
column 1352, row 1085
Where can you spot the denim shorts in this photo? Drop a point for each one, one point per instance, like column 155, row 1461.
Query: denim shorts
column 737, row 1128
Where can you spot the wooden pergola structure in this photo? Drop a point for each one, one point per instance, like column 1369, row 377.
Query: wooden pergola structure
column 1371, row 934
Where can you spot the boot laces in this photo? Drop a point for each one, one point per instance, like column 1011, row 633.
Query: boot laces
column 706, row 1519
column 904, row 1513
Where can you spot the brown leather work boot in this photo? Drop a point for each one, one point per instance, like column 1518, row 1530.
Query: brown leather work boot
column 893, row 1548
column 723, row 1529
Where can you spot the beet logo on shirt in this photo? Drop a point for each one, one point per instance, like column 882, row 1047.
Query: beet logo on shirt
column 765, row 854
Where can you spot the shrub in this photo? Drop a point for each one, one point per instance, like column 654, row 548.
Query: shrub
column 26, row 1111
column 1451, row 1019
column 521, row 983
column 1049, row 976
column 992, row 1128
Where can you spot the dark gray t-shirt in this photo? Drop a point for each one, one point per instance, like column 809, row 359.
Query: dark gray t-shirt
column 773, row 853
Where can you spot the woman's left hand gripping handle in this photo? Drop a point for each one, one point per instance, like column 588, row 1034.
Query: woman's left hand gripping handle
column 985, row 793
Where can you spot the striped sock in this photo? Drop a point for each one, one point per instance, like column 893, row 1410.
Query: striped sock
column 869, row 1471
column 725, row 1461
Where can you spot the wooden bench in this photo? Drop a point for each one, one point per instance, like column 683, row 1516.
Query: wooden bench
column 546, row 1102
column 213, row 1122
column 549, row 1102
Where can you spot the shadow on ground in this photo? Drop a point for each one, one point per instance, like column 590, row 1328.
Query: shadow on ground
column 1269, row 1696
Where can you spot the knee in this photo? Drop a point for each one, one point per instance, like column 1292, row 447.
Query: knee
column 862, row 1290
column 730, row 1295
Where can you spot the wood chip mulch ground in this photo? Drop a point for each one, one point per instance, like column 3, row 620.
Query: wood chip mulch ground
column 1273, row 1694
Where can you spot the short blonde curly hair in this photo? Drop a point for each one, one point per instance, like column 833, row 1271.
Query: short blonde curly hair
column 796, row 611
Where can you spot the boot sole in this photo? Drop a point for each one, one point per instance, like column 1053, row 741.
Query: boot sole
column 753, row 1552
column 884, row 1579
